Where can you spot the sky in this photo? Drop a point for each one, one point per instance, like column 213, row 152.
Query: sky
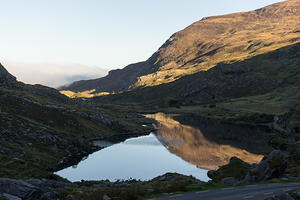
column 55, row 42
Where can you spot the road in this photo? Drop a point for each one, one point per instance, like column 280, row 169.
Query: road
column 250, row 192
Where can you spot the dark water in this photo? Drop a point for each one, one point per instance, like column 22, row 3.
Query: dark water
column 175, row 147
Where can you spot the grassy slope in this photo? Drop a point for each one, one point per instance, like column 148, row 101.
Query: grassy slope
column 255, row 76
column 40, row 128
column 225, row 39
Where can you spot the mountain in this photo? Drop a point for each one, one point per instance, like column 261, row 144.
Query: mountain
column 43, row 131
column 205, row 44
column 6, row 78
column 276, row 70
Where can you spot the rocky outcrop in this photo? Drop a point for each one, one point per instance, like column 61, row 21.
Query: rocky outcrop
column 272, row 166
column 31, row 189
column 176, row 178
column 231, row 173
column 6, row 79
column 57, row 130
column 238, row 172
column 281, row 197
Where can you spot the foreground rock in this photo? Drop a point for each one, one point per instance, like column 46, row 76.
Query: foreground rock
column 45, row 189
column 232, row 173
column 237, row 171
column 281, row 197
column 31, row 189
column 272, row 166
column 176, row 178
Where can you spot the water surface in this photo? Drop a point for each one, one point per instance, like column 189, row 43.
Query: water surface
column 141, row 158
column 175, row 147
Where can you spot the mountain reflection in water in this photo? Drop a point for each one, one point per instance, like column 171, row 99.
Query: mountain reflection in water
column 190, row 144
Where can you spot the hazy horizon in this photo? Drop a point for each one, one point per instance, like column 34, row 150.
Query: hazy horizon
column 51, row 74
column 57, row 42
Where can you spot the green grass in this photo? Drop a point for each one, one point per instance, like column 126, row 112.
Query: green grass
column 204, row 186
column 33, row 129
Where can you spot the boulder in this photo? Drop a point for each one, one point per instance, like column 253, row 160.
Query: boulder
column 49, row 195
column 281, row 197
column 17, row 188
column 296, row 194
column 272, row 166
column 229, row 181
column 233, row 172
column 20, row 189
column 174, row 177
column 9, row 197
column 46, row 183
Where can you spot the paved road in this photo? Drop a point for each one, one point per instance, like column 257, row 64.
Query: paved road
column 250, row 192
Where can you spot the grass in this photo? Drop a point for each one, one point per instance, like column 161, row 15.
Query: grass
column 206, row 186
column 150, row 190
column 142, row 190
column 83, row 94
column 41, row 127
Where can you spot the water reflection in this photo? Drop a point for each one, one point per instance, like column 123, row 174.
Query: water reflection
column 190, row 144
column 184, row 149
column 141, row 158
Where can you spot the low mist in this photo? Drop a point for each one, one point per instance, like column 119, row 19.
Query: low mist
column 52, row 75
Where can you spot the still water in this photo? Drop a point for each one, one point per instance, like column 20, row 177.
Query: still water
column 175, row 147
column 141, row 158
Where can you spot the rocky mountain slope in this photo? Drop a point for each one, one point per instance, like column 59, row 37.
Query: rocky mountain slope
column 42, row 130
column 6, row 79
column 204, row 45
column 255, row 76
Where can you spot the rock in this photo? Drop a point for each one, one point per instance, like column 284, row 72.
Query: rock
column 236, row 169
column 296, row 194
column 272, row 166
column 281, row 197
column 69, row 196
column 17, row 188
column 162, row 178
column 49, row 195
column 31, row 189
column 45, row 183
column 6, row 79
column 230, row 181
column 9, row 197
column 105, row 197
column 176, row 178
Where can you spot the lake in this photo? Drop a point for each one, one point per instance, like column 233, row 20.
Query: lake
column 141, row 158
column 175, row 147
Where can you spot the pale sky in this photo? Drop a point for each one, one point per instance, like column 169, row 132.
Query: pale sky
column 78, row 37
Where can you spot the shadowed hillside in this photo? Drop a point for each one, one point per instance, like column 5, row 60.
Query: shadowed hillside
column 43, row 130
column 257, row 75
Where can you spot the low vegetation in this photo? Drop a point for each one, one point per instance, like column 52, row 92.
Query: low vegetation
column 43, row 131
